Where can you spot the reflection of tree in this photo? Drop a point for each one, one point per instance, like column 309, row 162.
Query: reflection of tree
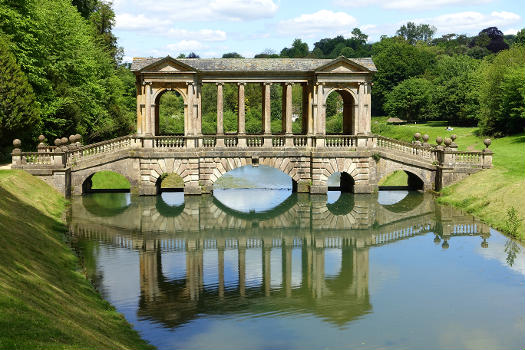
column 512, row 249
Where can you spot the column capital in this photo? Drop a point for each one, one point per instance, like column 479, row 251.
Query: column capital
column 144, row 83
column 188, row 83
column 267, row 83
column 241, row 83
column 220, row 83
column 289, row 83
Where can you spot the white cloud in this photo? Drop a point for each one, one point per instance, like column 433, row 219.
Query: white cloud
column 185, row 46
column 128, row 21
column 244, row 9
column 511, row 31
column 203, row 34
column 413, row 5
column 201, row 10
column 470, row 21
column 321, row 22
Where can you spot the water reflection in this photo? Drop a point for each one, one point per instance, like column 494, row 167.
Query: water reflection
column 295, row 263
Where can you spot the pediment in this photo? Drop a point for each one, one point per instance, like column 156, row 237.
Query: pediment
column 168, row 65
column 342, row 65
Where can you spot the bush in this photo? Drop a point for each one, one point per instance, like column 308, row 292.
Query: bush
column 411, row 100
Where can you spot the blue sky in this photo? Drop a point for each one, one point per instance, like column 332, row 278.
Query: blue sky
column 212, row 27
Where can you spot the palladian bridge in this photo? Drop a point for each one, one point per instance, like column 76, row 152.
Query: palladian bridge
column 309, row 157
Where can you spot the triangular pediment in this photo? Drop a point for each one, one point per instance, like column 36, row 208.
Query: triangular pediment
column 342, row 65
column 168, row 65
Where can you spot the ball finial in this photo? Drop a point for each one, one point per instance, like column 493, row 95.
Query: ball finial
column 448, row 142
column 487, row 142
column 58, row 142
column 17, row 143
column 417, row 136
column 41, row 138
column 453, row 137
column 439, row 140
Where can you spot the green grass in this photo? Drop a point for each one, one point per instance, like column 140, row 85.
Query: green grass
column 45, row 300
column 109, row 180
column 489, row 194
column 172, row 181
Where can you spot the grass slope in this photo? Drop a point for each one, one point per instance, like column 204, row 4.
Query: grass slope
column 45, row 301
column 490, row 194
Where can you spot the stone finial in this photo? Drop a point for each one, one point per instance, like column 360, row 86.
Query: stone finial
column 17, row 143
column 58, row 142
column 64, row 141
column 417, row 136
column 437, row 240
column 453, row 137
column 445, row 245
column 425, row 138
column 487, row 142
column 71, row 138
column 78, row 137
column 41, row 138
column 448, row 142
column 439, row 140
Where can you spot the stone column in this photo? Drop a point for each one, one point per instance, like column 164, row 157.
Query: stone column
column 188, row 125
column 220, row 115
column 138, row 87
column 266, row 109
column 241, row 128
column 320, row 115
column 197, row 108
column 147, row 129
column 361, row 124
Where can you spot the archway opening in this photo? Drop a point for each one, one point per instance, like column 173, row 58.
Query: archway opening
column 340, row 113
column 170, row 204
column 170, row 183
column 105, row 181
column 253, row 188
column 401, row 180
column 169, row 114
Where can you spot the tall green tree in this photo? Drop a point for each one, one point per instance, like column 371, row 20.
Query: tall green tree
column 19, row 111
column 411, row 100
column 298, row 49
column 413, row 33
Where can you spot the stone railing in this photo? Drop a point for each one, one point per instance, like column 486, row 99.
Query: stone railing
column 65, row 154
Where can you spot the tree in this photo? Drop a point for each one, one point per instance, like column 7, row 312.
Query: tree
column 298, row 49
column 267, row 53
column 490, row 38
column 502, row 94
column 232, row 55
column 193, row 55
column 520, row 38
column 397, row 60
column 19, row 111
column 411, row 100
column 414, row 33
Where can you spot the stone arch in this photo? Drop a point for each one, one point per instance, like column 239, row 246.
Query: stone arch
column 187, row 169
column 85, row 180
column 224, row 165
column 418, row 178
column 156, row 98
column 350, row 105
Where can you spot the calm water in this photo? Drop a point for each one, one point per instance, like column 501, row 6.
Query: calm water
column 265, row 269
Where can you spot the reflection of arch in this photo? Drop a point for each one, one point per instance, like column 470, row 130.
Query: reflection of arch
column 349, row 109
column 410, row 202
column 280, row 209
column 106, row 204
column 87, row 183
column 343, row 205
column 167, row 210
column 226, row 165
column 157, row 96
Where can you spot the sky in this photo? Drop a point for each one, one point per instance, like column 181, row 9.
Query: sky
column 210, row 28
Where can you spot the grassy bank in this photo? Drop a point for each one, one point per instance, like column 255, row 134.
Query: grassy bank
column 495, row 195
column 45, row 300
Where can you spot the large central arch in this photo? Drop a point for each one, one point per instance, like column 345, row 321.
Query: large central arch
column 349, row 109
column 157, row 98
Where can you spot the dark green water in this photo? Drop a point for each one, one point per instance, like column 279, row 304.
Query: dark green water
column 268, row 269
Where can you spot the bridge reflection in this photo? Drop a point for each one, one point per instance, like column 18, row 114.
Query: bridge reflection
column 307, row 256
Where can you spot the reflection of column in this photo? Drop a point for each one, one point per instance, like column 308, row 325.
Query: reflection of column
column 149, row 261
column 266, row 108
column 360, row 275
column 220, row 251
column 241, row 248
column 318, row 269
column 287, row 268
column 192, row 270
column 267, row 265
column 306, row 263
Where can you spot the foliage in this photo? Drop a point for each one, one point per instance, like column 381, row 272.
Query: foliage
column 171, row 113
column 355, row 46
column 490, row 38
column 411, row 100
column 413, row 33
column 502, row 93
column 298, row 49
column 19, row 111
column 232, row 55
column 397, row 60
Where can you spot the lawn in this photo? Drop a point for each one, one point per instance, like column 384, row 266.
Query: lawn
column 45, row 300
column 492, row 195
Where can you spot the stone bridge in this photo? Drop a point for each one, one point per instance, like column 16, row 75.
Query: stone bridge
column 309, row 157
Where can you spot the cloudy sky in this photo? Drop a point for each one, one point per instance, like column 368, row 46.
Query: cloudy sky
column 213, row 27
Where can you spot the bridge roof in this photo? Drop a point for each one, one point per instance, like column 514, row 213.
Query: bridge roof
column 253, row 64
